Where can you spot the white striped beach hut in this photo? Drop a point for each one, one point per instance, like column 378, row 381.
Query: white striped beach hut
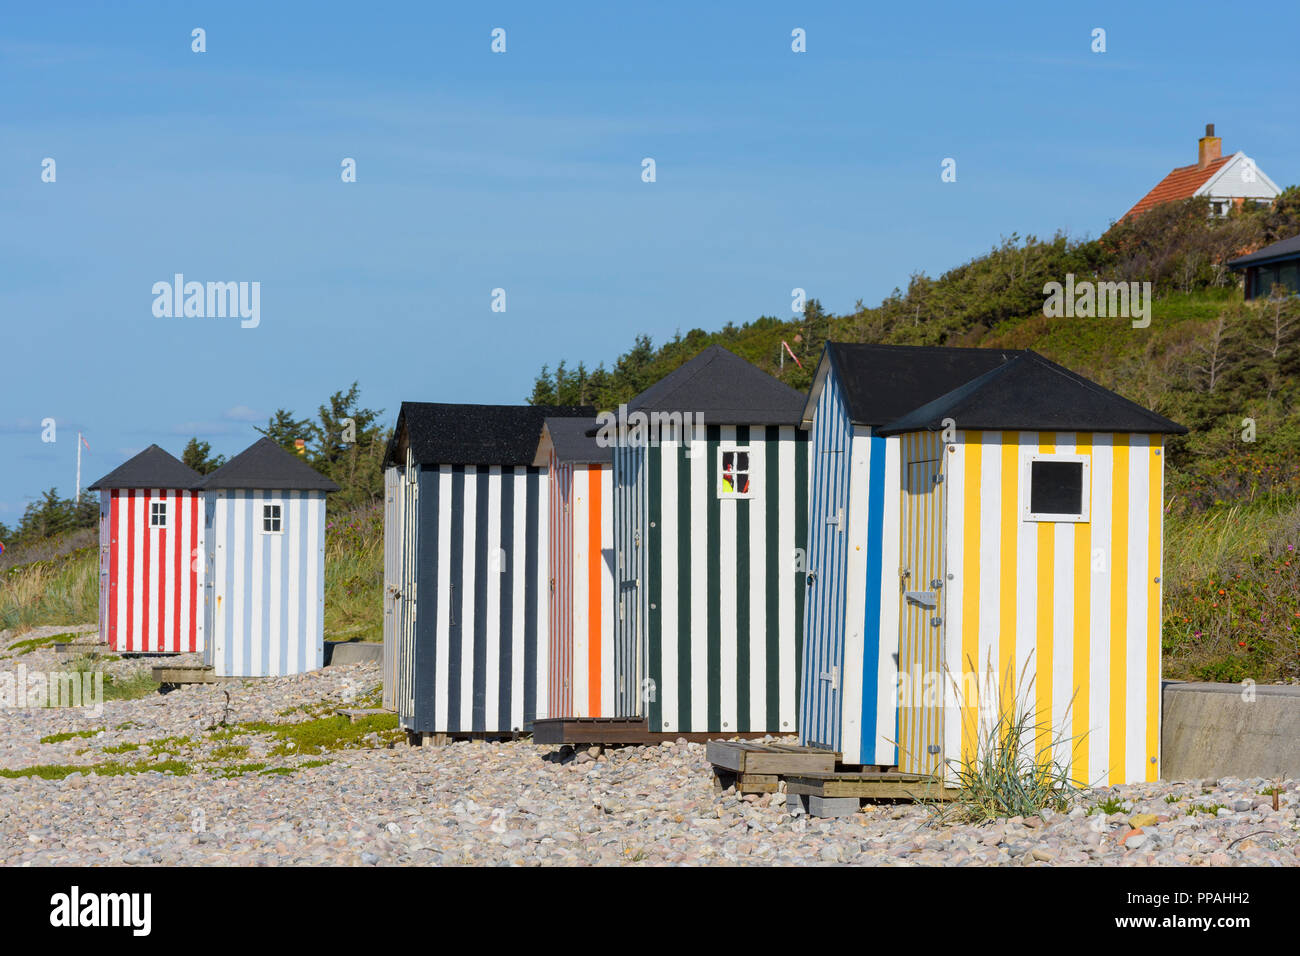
column 1024, row 508
column 150, row 542
column 265, row 548
column 472, row 620
column 710, row 519
column 581, row 557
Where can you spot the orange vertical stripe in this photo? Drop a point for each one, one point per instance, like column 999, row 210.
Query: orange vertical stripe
column 593, row 591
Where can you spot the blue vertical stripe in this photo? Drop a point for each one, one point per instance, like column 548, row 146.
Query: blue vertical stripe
column 871, row 619
column 820, row 719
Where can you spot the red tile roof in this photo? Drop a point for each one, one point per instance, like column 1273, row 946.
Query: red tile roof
column 1182, row 183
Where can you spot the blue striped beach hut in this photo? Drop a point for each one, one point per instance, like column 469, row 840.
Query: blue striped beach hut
column 470, row 622
column 958, row 496
column 264, row 540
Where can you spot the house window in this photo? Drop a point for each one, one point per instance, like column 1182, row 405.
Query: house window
column 157, row 514
column 1057, row 488
column 733, row 473
column 271, row 519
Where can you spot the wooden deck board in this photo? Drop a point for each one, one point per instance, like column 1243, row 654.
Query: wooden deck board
column 590, row 731
column 870, row 785
column 743, row 757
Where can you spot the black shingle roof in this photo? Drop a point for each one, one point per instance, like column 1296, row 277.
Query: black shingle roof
column 1282, row 249
column 476, row 434
column 574, row 442
column 265, row 465
column 1029, row 393
column 882, row 382
column 152, row 468
column 725, row 389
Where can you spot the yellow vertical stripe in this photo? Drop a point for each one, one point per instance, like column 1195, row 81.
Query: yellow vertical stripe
column 1082, row 626
column 1155, row 566
column 1007, row 572
column 1043, row 715
column 970, row 585
column 1118, row 606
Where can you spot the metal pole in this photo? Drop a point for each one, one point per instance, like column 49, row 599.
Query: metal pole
column 77, row 494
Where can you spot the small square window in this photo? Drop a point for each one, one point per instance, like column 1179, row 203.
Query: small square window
column 157, row 514
column 733, row 473
column 1057, row 488
column 271, row 519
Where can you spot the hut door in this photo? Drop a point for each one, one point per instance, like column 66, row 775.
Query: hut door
column 105, row 529
column 920, row 657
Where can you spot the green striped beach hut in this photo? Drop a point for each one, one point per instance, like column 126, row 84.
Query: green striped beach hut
column 710, row 520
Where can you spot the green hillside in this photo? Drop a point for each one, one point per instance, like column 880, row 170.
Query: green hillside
column 1207, row 359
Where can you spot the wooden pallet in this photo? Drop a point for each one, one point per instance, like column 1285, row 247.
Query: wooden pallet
column 870, row 785
column 353, row 714
column 589, row 731
column 194, row 674
column 758, row 767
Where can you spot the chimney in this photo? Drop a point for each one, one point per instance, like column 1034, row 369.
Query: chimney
column 1210, row 147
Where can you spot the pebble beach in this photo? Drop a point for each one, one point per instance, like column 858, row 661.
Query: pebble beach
column 259, row 773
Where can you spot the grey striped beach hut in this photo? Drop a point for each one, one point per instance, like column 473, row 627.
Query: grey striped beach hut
column 710, row 519
column 470, row 619
column 264, row 539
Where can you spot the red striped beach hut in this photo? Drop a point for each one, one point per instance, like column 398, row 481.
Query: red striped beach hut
column 150, row 540
column 581, row 554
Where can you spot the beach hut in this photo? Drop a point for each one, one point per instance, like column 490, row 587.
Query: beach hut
column 710, row 519
column 150, row 540
column 472, row 620
column 1027, row 510
column 264, row 517
column 581, row 557
column 393, row 502
column 851, row 618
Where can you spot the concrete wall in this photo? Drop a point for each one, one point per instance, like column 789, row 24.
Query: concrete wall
column 1216, row 730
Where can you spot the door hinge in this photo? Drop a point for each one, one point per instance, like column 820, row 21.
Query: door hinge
column 833, row 675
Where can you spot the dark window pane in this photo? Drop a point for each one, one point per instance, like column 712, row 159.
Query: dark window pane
column 1056, row 487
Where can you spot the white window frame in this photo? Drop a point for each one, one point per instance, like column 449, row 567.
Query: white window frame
column 158, row 503
column 723, row 449
column 279, row 517
column 1027, row 473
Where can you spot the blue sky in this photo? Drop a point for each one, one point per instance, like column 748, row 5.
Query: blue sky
column 522, row 171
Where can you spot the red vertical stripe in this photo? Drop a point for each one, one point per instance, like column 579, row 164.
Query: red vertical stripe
column 193, row 559
column 147, row 534
column 160, row 588
column 113, row 513
column 178, row 577
column 127, row 641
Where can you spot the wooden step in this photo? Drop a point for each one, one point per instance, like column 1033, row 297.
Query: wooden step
column 588, row 731
column 193, row 674
column 752, row 757
column 872, row 785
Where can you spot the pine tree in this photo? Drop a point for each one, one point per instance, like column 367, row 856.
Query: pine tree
column 198, row 455
column 283, row 429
